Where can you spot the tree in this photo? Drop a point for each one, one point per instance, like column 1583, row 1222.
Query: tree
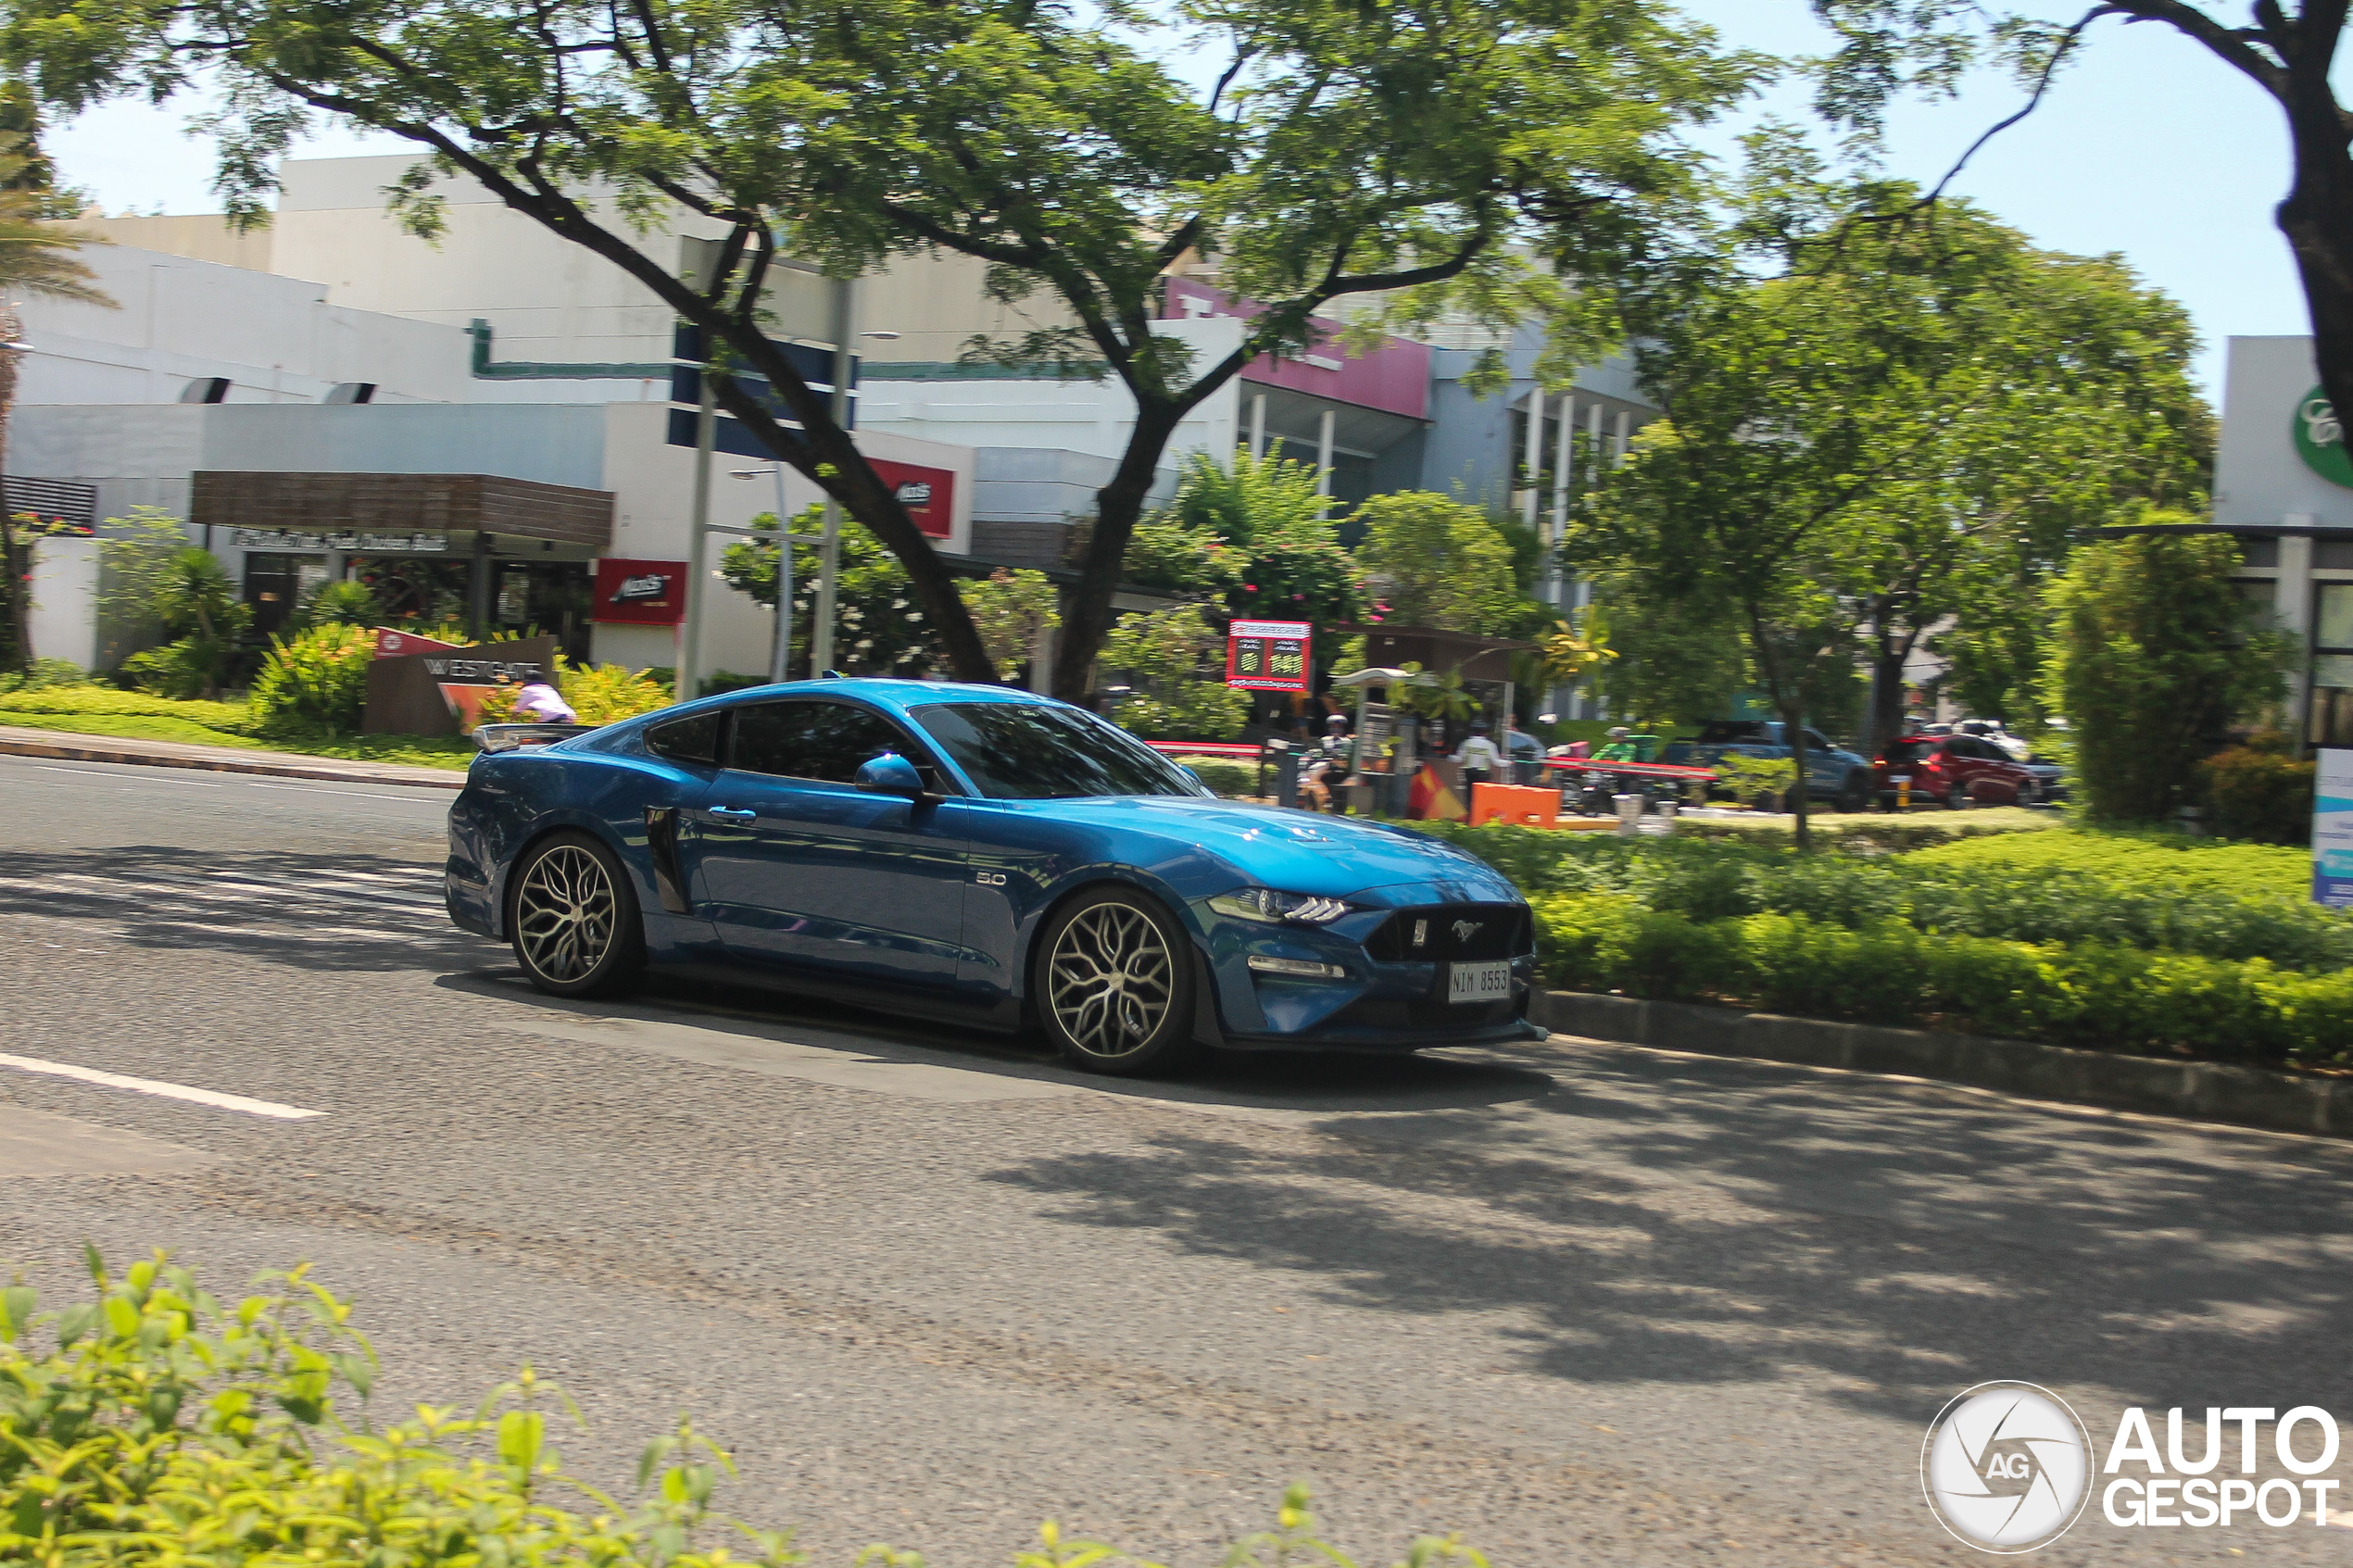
column 880, row 628
column 1347, row 151
column 1429, row 561
column 1168, row 653
column 2153, row 662
column 1906, row 401
column 1887, row 47
column 1272, row 549
column 1012, row 610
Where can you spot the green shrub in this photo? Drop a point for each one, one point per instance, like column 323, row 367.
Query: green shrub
column 164, row 1428
column 604, row 693
column 2153, row 662
column 1232, row 779
column 2258, row 794
column 106, row 701
column 342, row 602
column 314, row 680
column 46, row 675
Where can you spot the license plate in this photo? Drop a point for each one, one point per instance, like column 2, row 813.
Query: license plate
column 1489, row 981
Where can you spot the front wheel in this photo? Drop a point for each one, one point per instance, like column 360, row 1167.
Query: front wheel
column 1115, row 985
column 572, row 916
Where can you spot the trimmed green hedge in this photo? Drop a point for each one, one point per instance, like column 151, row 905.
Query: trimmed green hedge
column 2141, row 941
column 2231, row 902
column 1885, row 970
column 1234, row 780
column 167, row 1428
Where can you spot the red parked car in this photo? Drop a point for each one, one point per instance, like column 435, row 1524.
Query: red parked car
column 1950, row 769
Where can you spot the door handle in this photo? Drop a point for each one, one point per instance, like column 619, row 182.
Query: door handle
column 732, row 814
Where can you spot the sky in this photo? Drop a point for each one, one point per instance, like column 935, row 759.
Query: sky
column 2147, row 146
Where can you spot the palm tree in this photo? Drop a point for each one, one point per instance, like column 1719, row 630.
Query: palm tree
column 36, row 257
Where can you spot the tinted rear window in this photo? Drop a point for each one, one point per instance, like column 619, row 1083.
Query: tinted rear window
column 694, row 739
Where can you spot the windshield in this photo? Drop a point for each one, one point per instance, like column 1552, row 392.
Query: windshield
column 1031, row 751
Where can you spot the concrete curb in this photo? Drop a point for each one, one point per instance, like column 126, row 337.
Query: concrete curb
column 2204, row 1091
column 210, row 761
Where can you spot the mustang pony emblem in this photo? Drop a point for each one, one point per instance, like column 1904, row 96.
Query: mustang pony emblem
column 1464, row 929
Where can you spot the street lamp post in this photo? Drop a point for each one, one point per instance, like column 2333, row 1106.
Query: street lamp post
column 784, row 537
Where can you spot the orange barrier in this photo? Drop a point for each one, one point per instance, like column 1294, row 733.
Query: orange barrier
column 1517, row 804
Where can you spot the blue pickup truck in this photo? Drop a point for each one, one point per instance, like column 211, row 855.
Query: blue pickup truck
column 1833, row 774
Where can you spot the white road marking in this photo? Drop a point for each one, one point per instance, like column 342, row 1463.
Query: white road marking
column 169, row 774
column 355, row 794
column 155, row 1087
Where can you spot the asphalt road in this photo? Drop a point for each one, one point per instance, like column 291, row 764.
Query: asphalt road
column 1584, row 1303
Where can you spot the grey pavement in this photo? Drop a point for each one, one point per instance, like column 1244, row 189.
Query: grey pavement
column 1584, row 1303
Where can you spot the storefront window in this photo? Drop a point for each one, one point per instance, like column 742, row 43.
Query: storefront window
column 2332, row 665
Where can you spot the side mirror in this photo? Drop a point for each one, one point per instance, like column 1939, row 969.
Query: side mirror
column 891, row 774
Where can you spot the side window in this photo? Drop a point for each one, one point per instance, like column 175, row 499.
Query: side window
column 1814, row 741
column 828, row 741
column 694, row 739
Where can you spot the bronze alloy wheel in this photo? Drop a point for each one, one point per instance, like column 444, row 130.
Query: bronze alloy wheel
column 575, row 918
column 1115, row 988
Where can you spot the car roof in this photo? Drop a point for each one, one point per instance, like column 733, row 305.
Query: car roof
column 893, row 696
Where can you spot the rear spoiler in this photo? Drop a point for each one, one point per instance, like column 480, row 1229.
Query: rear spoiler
column 514, row 737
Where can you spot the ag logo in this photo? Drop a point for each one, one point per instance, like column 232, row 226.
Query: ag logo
column 2007, row 1467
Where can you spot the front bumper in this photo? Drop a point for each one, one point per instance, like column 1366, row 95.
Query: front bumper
column 1389, row 992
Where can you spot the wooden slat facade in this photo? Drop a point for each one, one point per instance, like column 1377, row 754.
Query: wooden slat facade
column 403, row 503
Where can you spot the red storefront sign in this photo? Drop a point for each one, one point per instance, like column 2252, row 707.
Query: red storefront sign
column 1268, row 655
column 639, row 593
column 929, row 494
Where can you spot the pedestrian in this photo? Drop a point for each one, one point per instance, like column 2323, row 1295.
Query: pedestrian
column 539, row 703
column 1478, row 757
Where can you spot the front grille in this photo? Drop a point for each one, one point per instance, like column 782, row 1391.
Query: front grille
column 1438, row 932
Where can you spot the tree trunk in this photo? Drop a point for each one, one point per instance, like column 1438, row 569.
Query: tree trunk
column 2317, row 219
column 1119, row 504
column 1801, row 791
column 1890, row 653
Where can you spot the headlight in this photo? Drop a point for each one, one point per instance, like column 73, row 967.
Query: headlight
column 1265, row 904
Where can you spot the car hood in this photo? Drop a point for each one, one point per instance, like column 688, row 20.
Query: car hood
column 1295, row 851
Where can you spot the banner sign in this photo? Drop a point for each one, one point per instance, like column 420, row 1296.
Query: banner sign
column 928, row 493
column 1268, row 655
column 2333, row 829
column 439, row 690
column 366, row 543
column 639, row 593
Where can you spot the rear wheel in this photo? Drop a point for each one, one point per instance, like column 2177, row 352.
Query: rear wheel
column 1115, row 988
column 572, row 916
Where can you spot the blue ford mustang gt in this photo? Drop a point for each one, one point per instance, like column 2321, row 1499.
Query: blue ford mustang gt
column 981, row 854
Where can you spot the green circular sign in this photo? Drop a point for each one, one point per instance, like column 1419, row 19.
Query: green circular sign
column 2319, row 439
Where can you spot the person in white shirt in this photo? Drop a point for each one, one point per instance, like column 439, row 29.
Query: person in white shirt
column 1478, row 758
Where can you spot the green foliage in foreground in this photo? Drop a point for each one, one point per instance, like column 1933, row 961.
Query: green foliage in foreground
column 166, row 1427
